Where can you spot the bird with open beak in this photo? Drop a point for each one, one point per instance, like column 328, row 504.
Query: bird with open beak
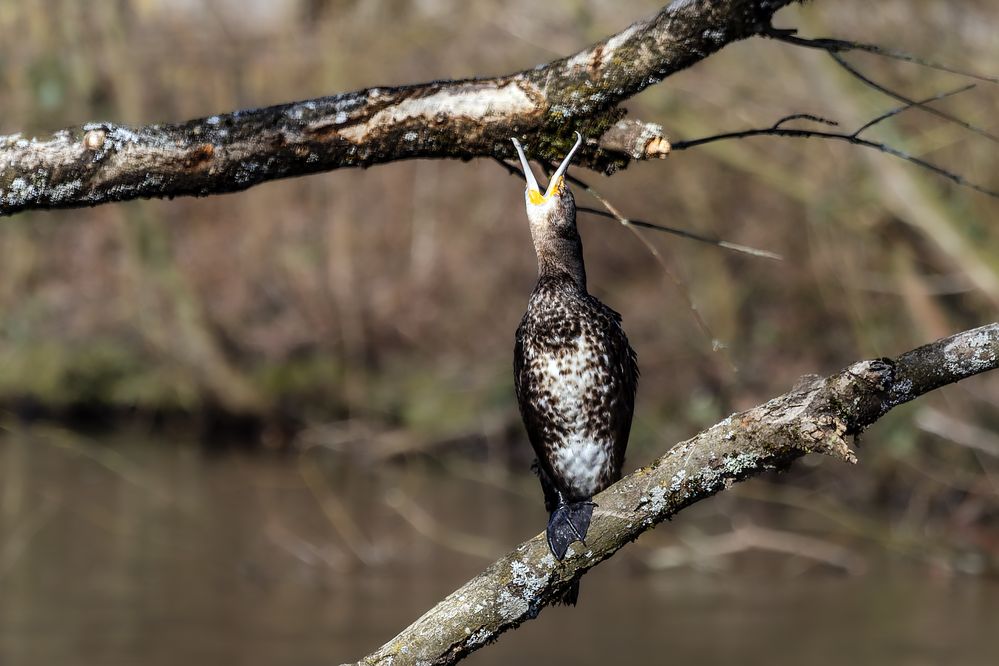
column 574, row 371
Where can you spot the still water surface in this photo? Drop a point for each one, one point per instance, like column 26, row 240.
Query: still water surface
column 135, row 550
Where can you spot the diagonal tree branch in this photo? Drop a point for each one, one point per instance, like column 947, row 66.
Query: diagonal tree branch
column 103, row 162
column 815, row 417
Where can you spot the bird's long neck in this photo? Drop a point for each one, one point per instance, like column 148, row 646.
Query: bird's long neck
column 560, row 254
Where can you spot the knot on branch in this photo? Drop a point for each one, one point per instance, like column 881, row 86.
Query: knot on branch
column 861, row 393
column 101, row 139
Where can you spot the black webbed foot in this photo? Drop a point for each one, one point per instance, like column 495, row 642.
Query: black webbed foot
column 568, row 523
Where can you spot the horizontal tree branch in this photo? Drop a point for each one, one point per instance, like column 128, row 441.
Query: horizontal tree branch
column 815, row 417
column 102, row 162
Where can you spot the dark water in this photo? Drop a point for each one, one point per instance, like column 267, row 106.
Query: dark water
column 144, row 551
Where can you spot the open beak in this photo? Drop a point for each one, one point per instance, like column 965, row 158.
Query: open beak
column 532, row 183
column 534, row 192
column 556, row 180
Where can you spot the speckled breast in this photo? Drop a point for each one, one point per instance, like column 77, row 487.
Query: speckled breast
column 574, row 392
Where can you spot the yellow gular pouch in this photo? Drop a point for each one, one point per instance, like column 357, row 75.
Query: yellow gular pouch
column 537, row 198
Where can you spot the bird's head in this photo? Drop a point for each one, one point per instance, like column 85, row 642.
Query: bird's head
column 555, row 206
column 553, row 221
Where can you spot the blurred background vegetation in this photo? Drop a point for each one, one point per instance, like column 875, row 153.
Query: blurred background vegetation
column 363, row 320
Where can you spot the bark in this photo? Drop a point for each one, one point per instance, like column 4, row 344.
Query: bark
column 102, row 162
column 817, row 416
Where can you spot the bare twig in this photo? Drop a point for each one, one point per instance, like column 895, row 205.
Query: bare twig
column 804, row 116
column 833, row 45
column 679, row 283
column 304, row 550
column 814, row 418
column 919, row 104
column 957, row 431
column 338, row 516
column 752, row 537
column 777, row 129
column 905, row 107
column 683, row 233
column 428, row 526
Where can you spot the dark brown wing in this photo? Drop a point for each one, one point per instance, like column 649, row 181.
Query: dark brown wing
column 624, row 363
column 527, row 396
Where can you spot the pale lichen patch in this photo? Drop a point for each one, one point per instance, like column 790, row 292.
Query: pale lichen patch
column 723, row 471
column 901, row 391
column 64, row 191
column 479, row 637
column 519, row 598
column 472, row 101
column 677, row 480
column 657, row 499
column 971, row 354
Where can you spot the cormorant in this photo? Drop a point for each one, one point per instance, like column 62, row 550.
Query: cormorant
column 575, row 373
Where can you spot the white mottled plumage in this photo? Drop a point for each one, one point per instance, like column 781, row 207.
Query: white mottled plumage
column 576, row 378
column 585, row 460
column 568, row 378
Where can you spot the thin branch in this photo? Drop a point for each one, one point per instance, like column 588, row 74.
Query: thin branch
column 833, row 45
column 816, row 417
column 804, row 116
column 697, row 551
column 852, row 137
column 334, row 510
column 921, row 105
column 905, row 107
column 678, row 282
column 960, row 432
column 683, row 233
column 424, row 523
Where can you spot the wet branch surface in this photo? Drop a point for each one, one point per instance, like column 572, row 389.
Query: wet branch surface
column 817, row 416
column 103, row 162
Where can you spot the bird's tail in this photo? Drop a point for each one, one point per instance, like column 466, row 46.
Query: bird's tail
column 570, row 596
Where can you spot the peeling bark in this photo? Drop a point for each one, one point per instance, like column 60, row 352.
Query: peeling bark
column 815, row 417
column 103, row 162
